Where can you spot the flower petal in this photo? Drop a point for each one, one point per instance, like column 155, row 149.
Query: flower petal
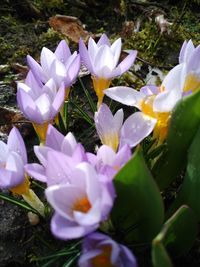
column 136, row 128
column 16, row 144
column 125, row 64
column 125, row 95
column 62, row 51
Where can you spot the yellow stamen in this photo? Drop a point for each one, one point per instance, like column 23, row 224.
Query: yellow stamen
column 111, row 140
column 22, row 188
column 192, row 83
column 103, row 259
column 82, row 205
column 100, row 84
column 41, row 130
column 161, row 128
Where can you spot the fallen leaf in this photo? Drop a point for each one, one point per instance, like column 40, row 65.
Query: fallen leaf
column 69, row 26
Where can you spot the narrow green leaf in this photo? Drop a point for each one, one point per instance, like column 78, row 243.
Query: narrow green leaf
column 176, row 237
column 138, row 210
column 83, row 113
column 184, row 124
column 89, row 98
column 18, row 202
column 190, row 190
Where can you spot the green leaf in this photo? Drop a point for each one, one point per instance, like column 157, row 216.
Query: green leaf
column 184, row 123
column 176, row 237
column 138, row 210
column 160, row 256
column 190, row 190
column 18, row 202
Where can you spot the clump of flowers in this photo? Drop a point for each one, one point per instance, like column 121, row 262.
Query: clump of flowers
column 116, row 188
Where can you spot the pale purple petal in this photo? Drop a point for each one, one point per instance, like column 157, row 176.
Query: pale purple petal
column 63, row 197
column 186, row 50
column 125, row 95
column 85, row 56
column 103, row 40
column 65, row 229
column 62, row 51
column 57, row 71
column 58, row 168
column 16, row 144
column 103, row 62
column 34, row 84
column 149, row 90
column 175, row 78
column 194, row 60
column 41, row 152
column 36, row 69
column 4, row 152
column 165, row 102
column 58, row 101
column 46, row 59
column 36, row 171
column 118, row 119
column 43, row 104
column 125, row 64
column 73, row 71
column 136, row 128
column 69, row 144
column 116, row 49
column 54, row 138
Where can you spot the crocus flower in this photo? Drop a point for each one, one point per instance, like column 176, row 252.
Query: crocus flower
column 190, row 57
column 155, row 103
column 40, row 103
column 13, row 157
column 61, row 65
column 101, row 59
column 71, row 152
column 81, row 203
column 108, row 162
column 100, row 250
column 108, row 126
column 115, row 134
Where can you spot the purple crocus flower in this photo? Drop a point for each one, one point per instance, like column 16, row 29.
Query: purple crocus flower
column 155, row 105
column 108, row 126
column 113, row 133
column 190, row 57
column 101, row 59
column 62, row 66
column 40, row 103
column 81, row 204
column 108, row 162
column 72, row 153
column 100, row 250
column 13, row 156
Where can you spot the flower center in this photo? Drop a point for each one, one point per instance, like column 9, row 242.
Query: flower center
column 192, row 83
column 103, row 259
column 22, row 188
column 161, row 127
column 82, row 205
column 111, row 140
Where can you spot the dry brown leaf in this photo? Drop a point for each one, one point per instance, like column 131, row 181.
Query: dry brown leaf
column 70, row 27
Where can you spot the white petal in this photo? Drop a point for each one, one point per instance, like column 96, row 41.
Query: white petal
column 136, row 128
column 125, row 95
column 116, row 50
column 165, row 102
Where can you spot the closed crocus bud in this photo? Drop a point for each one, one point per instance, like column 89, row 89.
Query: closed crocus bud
column 101, row 59
column 13, row 157
column 81, row 203
column 40, row 103
column 100, row 250
column 61, row 65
